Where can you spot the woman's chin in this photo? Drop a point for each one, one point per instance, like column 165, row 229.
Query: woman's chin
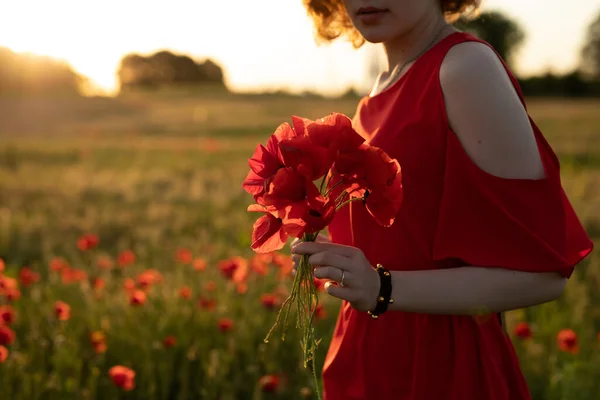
column 376, row 36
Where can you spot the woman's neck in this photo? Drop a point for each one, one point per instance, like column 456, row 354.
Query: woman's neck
column 403, row 48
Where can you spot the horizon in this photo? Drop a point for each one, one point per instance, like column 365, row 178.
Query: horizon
column 252, row 57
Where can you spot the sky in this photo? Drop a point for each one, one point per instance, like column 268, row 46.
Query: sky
column 262, row 44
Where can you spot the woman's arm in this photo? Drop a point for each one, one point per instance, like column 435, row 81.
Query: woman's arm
column 472, row 290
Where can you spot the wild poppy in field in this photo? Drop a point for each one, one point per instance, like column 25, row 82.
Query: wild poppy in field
column 98, row 341
column 210, row 286
column 258, row 266
column 169, row 341
column 87, row 242
column 199, row 264
column 234, row 268
column 7, row 315
column 11, row 295
column 225, row 324
column 3, row 354
column 185, row 293
column 125, row 258
column 269, row 301
column 62, row 310
column 2, row 265
column 137, row 298
column 207, row 303
column 70, row 275
column 241, row 287
column 148, row 278
column 567, row 341
column 129, row 285
column 269, row 383
column 28, row 277
column 522, row 330
column 98, row 284
column 122, row 377
column 57, row 264
column 320, row 312
column 104, row 262
column 7, row 335
column 184, row 256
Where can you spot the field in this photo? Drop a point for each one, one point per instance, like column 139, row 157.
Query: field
column 156, row 180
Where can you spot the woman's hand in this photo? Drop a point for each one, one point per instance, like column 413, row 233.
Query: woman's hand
column 361, row 281
column 296, row 257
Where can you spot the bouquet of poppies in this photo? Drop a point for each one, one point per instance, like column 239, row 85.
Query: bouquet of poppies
column 299, row 180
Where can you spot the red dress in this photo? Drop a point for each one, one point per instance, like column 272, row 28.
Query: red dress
column 453, row 214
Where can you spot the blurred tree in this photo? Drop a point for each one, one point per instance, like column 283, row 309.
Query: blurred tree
column 165, row 68
column 27, row 74
column 504, row 34
column 591, row 50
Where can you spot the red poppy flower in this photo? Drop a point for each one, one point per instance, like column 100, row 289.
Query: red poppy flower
column 3, row 354
column 320, row 312
column 87, row 242
column 266, row 161
column 225, row 324
column 319, row 143
column 169, row 342
column 307, row 158
column 7, row 315
column 71, row 275
column 137, row 298
column 185, row 293
column 2, row 265
column 98, row 341
column 122, row 377
column 234, row 268
column 148, row 278
column 269, row 301
column 567, row 341
column 129, row 284
column 523, row 331
column 370, row 173
column 7, row 336
column 28, row 277
column 309, row 216
column 184, row 256
column 62, row 310
column 210, row 286
column 241, row 287
column 258, row 266
column 98, row 284
column 267, row 233
column 57, row 264
column 269, row 383
column 11, row 295
column 199, row 264
column 206, row 303
column 104, row 262
column 286, row 187
column 125, row 258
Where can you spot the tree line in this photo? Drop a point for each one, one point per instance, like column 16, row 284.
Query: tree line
column 28, row 74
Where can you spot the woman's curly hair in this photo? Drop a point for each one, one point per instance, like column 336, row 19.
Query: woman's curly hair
column 331, row 20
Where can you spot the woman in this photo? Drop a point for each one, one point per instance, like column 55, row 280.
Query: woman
column 484, row 227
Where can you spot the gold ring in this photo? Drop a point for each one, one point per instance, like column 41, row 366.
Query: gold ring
column 342, row 280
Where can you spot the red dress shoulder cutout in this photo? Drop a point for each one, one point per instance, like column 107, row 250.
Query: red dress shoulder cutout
column 453, row 214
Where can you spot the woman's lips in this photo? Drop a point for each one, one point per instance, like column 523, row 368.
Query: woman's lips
column 370, row 15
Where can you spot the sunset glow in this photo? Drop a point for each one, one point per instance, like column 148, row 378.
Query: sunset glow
column 265, row 44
